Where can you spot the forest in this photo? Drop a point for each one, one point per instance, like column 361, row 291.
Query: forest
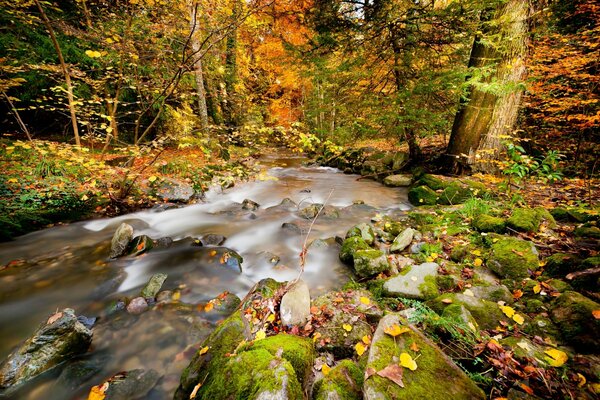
column 303, row 199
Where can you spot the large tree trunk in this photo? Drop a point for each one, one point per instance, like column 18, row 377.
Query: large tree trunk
column 491, row 110
column 202, row 109
column 231, row 78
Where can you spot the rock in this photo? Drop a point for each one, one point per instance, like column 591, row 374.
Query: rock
column 355, row 308
column 164, row 296
column 432, row 181
column 436, row 376
column 225, row 303
column 487, row 313
column 212, row 240
column 311, row 211
column 399, row 262
column 398, row 180
column 494, row 293
column 573, row 314
column 220, row 257
column 349, row 248
column 60, row 338
column 79, row 372
column 529, row 220
column 415, row 282
column 344, row 382
column 137, row 306
column 422, row 196
column 139, row 245
column 120, row 240
column 364, row 231
column 130, row 385
column 368, row 263
column 174, row 190
column 523, row 349
column 487, row 223
column 153, row 286
column 513, row 258
column 416, row 248
column 403, row 240
column 163, row 243
column 292, row 227
column 592, row 232
column 295, row 305
column 250, row 205
column 558, row 265
column 454, row 193
column 458, row 312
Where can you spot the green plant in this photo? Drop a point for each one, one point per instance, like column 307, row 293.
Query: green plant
column 520, row 165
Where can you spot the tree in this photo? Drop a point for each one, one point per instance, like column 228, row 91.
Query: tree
column 196, row 48
column 498, row 69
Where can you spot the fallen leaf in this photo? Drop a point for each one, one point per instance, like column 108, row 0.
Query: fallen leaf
column 447, row 301
column 316, row 336
column 365, row 300
column 517, row 294
column 477, row 262
column 366, row 339
column 414, row 347
column 508, row 311
column 360, row 348
column 54, row 318
column 476, row 252
column 325, row 369
column 347, row 327
column 392, row 372
column 527, row 389
column 152, row 178
column 596, row 314
column 195, row 391
column 396, row 330
column 98, row 392
column 369, row 372
column 212, row 253
column 407, row 361
column 537, row 288
column 582, row 380
column 208, row 307
column 518, row 319
column 260, row 335
column 556, row 357
column 271, row 318
column 203, row 350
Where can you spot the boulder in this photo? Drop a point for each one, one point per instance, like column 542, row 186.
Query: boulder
column 120, row 240
column 294, row 308
column 488, row 223
column 487, row 313
column 134, row 384
column 153, row 286
column 368, row 263
column 436, row 377
column 174, row 190
column 398, row 180
column 59, row 339
column 349, row 248
column 422, row 196
column 513, row 258
column 573, row 314
column 530, row 219
column 364, row 231
column 250, row 205
column 403, row 240
column 415, row 282
column 139, row 245
column 343, row 382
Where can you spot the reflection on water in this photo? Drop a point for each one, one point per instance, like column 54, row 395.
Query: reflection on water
column 67, row 266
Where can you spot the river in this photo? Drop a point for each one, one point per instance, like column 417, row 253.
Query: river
column 68, row 266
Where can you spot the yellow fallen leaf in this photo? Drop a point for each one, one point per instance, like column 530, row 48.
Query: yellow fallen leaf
column 13, row 180
column 407, row 361
column 477, row 262
column 508, row 311
column 556, row 357
column 152, row 179
column 518, row 319
column 469, row 292
column 582, row 380
column 316, row 336
column 195, row 391
column 347, row 327
column 98, row 392
column 325, row 369
column 260, row 335
column 434, row 255
column 476, row 252
column 360, row 348
column 396, row 330
column 366, row 339
column 271, row 318
column 596, row 314
column 203, row 350
column 537, row 288
column 365, row 300
column 208, row 307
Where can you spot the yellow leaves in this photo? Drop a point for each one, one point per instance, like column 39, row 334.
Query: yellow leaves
column 271, row 318
column 98, row 392
column 366, row 339
column 325, row 369
column 84, row 197
column 407, row 361
column 347, row 327
column 432, row 257
column 469, row 292
column 153, row 178
column 582, row 380
column 365, row 300
column 360, row 348
column 195, row 391
column 478, row 262
column 93, row 53
column 396, row 330
column 260, row 335
column 476, row 252
column 556, row 358
column 508, row 311
column 209, row 307
column 13, row 180
column 203, row 351
column 518, row 319
column 316, row 336
column 537, row 288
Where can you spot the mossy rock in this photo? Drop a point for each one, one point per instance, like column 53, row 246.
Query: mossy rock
column 513, row 258
column 368, row 263
column 422, row 196
column 486, row 313
column 591, row 262
column 559, row 285
column 524, row 349
column 530, row 219
column 432, row 181
column 534, row 306
column 454, row 193
column 560, row 264
column 364, row 231
column 542, row 326
column 573, row 314
column 460, row 314
column 572, row 215
column 488, row 223
column 392, row 227
column 592, row 232
column 344, row 382
column 436, row 376
column 416, row 282
column 350, row 247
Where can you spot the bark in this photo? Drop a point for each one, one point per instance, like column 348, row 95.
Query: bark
column 231, row 78
column 489, row 114
column 200, row 90
column 65, row 70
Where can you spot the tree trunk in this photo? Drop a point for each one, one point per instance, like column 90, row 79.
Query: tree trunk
column 65, row 70
column 491, row 110
column 231, row 78
column 202, row 109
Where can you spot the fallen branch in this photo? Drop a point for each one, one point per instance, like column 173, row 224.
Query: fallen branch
column 586, row 272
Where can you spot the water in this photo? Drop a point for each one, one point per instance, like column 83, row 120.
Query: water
column 68, row 266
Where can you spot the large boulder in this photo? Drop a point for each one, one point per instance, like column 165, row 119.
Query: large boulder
column 343, row 382
column 573, row 313
column 487, row 313
column 415, row 282
column 60, row 338
column 513, row 258
column 488, row 223
column 422, row 196
column 436, row 377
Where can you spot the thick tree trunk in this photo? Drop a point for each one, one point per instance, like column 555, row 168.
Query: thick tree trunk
column 491, row 110
column 231, row 78
column 202, row 109
column 65, row 70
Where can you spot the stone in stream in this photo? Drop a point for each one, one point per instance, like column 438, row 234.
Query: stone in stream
column 59, row 339
column 79, row 372
column 137, row 306
column 120, row 240
column 139, row 245
column 436, row 377
column 295, row 305
column 403, row 240
column 414, row 282
column 130, row 385
column 364, row 231
column 250, row 205
column 153, row 286
column 212, row 240
column 174, row 190
column 398, row 180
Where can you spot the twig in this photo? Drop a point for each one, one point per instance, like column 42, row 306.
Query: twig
column 18, row 118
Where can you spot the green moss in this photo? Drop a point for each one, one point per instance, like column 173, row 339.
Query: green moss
column 486, row 313
column 512, row 258
column 534, row 306
column 487, row 223
column 429, row 288
column 344, row 382
column 559, row 285
column 445, row 282
column 529, row 220
column 363, row 231
column 350, row 247
column 572, row 313
column 422, row 196
column 431, row 182
column 591, row 262
column 587, row 232
column 368, row 263
column 560, row 264
column 454, row 193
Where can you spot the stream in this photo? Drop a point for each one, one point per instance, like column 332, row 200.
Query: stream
column 68, row 266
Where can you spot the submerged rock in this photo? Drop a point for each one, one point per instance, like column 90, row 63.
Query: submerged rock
column 55, row 341
column 212, row 240
column 120, row 240
column 436, row 377
column 139, row 245
column 248, row 204
column 153, row 286
column 415, row 282
column 294, row 308
column 130, row 385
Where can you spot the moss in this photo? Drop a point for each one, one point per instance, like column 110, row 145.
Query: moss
column 350, row 247
column 454, row 193
column 429, row 288
column 591, row 262
column 587, row 232
column 523, row 348
column 487, row 223
column 571, row 215
column 363, row 231
column 422, row 196
column 297, row 350
column 460, row 314
column 572, row 313
column 344, row 382
column 392, row 227
column 529, row 220
column 542, row 326
column 486, row 313
column 368, row 263
column 431, row 182
column 534, row 306
column 560, row 264
column 512, row 258
column 445, row 282
column 559, row 285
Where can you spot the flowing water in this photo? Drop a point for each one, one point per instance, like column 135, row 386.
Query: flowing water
column 68, row 266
